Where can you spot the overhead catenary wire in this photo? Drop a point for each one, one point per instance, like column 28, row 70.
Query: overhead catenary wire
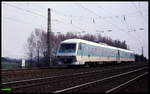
column 134, row 30
column 26, row 10
column 71, row 21
column 131, row 30
column 124, row 17
column 85, row 8
column 93, row 17
column 45, row 17
column 106, row 20
column 34, row 13
column 100, row 16
column 71, row 16
column 20, row 21
column 31, row 12
column 139, row 12
column 86, row 17
column 89, row 17
column 70, row 24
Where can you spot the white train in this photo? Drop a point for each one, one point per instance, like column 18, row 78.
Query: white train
column 82, row 52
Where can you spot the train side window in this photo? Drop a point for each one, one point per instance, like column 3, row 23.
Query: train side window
column 80, row 46
column 131, row 55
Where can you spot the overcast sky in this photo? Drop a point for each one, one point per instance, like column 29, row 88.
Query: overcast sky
column 125, row 19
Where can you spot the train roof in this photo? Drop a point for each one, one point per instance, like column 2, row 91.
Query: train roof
column 93, row 43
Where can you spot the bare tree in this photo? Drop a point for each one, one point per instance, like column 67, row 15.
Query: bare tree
column 29, row 48
column 36, row 45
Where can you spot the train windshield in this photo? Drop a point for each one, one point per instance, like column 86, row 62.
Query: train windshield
column 67, row 48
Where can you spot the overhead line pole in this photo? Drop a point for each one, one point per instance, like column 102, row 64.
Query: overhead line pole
column 48, row 37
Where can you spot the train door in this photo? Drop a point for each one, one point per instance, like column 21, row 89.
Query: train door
column 89, row 53
column 118, row 56
column 81, row 49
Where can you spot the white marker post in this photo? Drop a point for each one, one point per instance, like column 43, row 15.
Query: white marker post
column 23, row 64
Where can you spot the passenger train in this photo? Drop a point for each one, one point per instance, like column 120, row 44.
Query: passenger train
column 82, row 52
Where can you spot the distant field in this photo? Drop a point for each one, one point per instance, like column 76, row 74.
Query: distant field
column 10, row 65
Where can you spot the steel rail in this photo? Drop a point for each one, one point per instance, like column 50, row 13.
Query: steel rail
column 100, row 80
column 51, row 77
column 115, row 88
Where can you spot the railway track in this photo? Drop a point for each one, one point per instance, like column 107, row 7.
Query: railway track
column 61, row 82
column 113, row 84
column 23, row 74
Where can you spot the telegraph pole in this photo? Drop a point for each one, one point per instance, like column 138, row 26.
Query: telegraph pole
column 142, row 51
column 142, row 54
column 48, row 36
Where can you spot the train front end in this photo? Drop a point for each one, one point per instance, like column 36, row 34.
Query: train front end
column 66, row 53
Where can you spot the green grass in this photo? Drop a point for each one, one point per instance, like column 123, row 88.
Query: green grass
column 10, row 65
column 6, row 89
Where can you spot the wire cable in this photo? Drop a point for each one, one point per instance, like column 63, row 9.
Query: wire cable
column 140, row 12
column 26, row 10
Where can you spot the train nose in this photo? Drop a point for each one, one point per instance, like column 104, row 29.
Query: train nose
column 67, row 59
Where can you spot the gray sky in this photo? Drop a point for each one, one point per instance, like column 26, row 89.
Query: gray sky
column 19, row 19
